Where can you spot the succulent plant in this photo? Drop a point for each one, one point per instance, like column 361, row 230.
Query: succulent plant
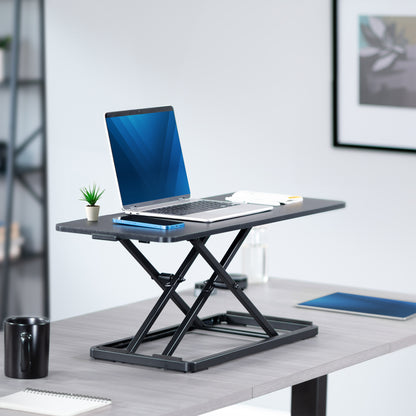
column 91, row 194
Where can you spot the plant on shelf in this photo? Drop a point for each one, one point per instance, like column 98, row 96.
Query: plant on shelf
column 91, row 195
column 5, row 42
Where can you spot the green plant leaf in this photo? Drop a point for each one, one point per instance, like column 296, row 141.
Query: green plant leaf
column 91, row 194
column 5, row 42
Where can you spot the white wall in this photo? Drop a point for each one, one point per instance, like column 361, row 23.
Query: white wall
column 251, row 85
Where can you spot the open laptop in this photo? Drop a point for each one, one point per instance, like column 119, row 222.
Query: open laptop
column 151, row 173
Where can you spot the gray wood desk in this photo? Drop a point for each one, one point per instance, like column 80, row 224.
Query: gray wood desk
column 343, row 340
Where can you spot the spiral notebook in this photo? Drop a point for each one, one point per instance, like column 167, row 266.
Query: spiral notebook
column 51, row 403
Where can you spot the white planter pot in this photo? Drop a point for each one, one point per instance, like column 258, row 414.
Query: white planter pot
column 92, row 212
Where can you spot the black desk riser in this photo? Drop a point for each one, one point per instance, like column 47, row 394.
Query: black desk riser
column 270, row 332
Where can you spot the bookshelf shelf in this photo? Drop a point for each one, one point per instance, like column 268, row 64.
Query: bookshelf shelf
column 12, row 171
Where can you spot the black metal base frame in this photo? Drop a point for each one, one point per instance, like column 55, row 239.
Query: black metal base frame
column 270, row 332
column 292, row 331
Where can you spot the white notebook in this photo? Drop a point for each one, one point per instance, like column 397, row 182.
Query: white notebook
column 265, row 198
column 51, row 403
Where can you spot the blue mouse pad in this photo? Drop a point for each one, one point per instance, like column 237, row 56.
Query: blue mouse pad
column 363, row 305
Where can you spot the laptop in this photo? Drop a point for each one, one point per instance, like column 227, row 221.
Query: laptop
column 150, row 169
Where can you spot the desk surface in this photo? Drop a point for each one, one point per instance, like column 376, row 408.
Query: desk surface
column 343, row 340
column 104, row 227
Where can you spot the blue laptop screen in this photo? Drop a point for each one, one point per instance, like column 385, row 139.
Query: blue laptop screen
column 147, row 155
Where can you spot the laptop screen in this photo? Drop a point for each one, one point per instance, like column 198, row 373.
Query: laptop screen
column 147, row 155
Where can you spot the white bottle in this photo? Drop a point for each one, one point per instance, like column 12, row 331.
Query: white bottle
column 254, row 256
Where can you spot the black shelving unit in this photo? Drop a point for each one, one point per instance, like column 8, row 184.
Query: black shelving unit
column 24, row 174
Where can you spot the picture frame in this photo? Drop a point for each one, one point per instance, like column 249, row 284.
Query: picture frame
column 374, row 74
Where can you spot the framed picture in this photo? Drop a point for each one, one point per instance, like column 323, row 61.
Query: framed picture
column 374, row 68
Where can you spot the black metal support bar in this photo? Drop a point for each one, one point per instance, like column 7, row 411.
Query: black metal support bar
column 309, row 398
column 235, row 289
column 29, row 188
column 169, row 290
column 141, row 259
column 205, row 293
column 155, row 275
column 153, row 315
column 238, row 332
column 116, row 350
column 45, row 212
column 241, row 318
column 10, row 168
column 14, row 150
column 29, row 140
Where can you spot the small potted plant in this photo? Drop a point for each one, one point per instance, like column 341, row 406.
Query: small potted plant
column 91, row 195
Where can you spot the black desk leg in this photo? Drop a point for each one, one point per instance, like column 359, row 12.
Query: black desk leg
column 309, row 398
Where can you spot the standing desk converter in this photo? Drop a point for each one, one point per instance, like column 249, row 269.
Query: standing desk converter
column 267, row 331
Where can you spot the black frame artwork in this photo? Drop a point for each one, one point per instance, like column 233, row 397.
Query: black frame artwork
column 374, row 74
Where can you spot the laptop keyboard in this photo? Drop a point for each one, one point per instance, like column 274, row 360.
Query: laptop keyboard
column 191, row 207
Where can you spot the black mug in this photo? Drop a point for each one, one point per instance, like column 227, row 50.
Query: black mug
column 26, row 347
